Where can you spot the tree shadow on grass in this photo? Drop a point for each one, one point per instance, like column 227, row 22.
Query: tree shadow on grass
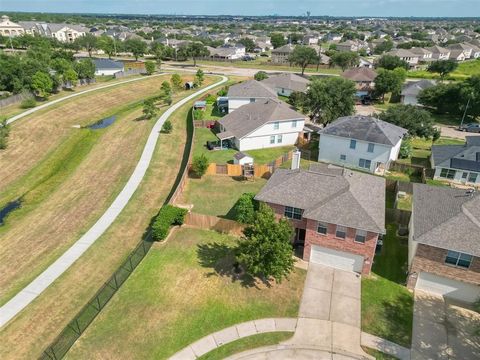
column 221, row 258
column 399, row 316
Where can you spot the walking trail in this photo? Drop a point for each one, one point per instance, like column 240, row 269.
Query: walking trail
column 40, row 283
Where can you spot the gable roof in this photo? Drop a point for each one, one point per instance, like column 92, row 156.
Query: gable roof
column 446, row 218
column 250, row 117
column 365, row 128
column 360, row 74
column 287, row 81
column 414, row 87
column 330, row 194
column 438, row 49
column 251, row 89
column 461, row 157
column 284, row 49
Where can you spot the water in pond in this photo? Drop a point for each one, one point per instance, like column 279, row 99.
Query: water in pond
column 103, row 123
column 7, row 209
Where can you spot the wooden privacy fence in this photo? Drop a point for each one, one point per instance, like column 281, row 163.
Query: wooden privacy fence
column 400, row 167
column 261, row 171
column 209, row 222
column 397, row 216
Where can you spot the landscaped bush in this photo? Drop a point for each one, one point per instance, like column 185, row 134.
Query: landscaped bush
column 167, row 217
column 167, row 127
column 405, row 149
column 4, row 132
column 198, row 114
column 210, row 99
column 28, row 103
column 245, row 208
column 223, row 91
column 200, row 165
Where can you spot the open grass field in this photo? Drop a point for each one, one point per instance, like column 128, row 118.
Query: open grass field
column 387, row 305
column 464, row 70
column 14, row 109
column 261, row 156
column 38, row 135
column 217, row 194
column 65, row 195
column 422, row 149
column 248, row 343
column 181, row 292
column 35, row 327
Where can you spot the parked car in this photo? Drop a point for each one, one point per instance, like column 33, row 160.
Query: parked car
column 472, row 127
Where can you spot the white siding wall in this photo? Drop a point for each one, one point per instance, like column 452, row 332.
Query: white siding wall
column 260, row 138
column 395, row 151
column 409, row 100
column 105, row 72
column 458, row 176
column 331, row 147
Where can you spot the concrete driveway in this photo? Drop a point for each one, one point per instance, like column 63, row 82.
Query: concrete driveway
column 443, row 329
column 329, row 316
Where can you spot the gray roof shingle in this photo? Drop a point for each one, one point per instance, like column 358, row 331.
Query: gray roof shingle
column 366, row 128
column 462, row 157
column 287, row 81
column 330, row 194
column 446, row 218
column 251, row 89
column 250, row 117
column 414, row 88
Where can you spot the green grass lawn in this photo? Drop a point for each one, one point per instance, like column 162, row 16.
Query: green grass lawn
column 245, row 344
column 378, row 355
column 262, row 156
column 217, row 194
column 387, row 305
column 464, row 70
column 212, row 113
column 181, row 292
column 405, row 203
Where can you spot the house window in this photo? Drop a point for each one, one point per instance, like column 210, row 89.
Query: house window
column 363, row 163
column 447, row 173
column 458, row 259
column 293, row 213
column 343, row 157
column 472, row 177
column 360, row 236
column 279, row 139
column 341, row 232
column 294, row 123
column 276, row 125
column 371, row 147
column 353, row 144
column 322, row 228
column 272, row 139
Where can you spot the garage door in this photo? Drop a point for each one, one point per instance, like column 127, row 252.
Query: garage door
column 337, row 259
column 447, row 287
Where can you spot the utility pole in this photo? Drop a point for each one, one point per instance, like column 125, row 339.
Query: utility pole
column 465, row 112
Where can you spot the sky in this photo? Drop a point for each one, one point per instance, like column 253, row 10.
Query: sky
column 404, row 8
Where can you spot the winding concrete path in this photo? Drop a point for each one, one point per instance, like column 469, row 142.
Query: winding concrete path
column 56, row 101
column 41, row 282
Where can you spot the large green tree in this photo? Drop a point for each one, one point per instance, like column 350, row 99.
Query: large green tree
column 389, row 81
column 266, row 250
column 107, row 44
column 195, row 50
column 442, row 67
column 42, row 84
column 136, row 46
column 248, row 43
column 85, row 69
column 158, row 51
column 277, row 40
column 330, row 98
column 345, row 59
column 87, row 42
column 391, row 62
column 303, row 56
column 418, row 122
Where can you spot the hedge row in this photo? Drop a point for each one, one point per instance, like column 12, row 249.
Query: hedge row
column 167, row 217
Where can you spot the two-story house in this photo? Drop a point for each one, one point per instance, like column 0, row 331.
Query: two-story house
column 287, row 83
column 262, row 124
column 406, row 55
column 362, row 142
column 458, row 163
column 364, row 79
column 281, row 55
column 444, row 242
column 439, row 53
column 412, row 89
column 248, row 92
column 337, row 213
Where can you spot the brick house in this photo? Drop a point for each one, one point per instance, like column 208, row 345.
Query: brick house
column 444, row 242
column 338, row 214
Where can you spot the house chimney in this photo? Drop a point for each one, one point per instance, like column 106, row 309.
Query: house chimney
column 296, row 159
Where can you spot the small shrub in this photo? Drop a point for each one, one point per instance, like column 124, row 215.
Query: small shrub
column 198, row 114
column 223, row 91
column 211, row 99
column 4, row 132
column 149, row 67
column 261, row 75
column 167, row 127
column 167, row 217
column 245, row 208
column 405, row 149
column 200, row 165
column 28, row 103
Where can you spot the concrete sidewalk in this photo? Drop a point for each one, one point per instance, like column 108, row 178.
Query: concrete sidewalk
column 55, row 270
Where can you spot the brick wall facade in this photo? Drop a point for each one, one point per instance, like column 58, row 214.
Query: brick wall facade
column 432, row 259
column 312, row 237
